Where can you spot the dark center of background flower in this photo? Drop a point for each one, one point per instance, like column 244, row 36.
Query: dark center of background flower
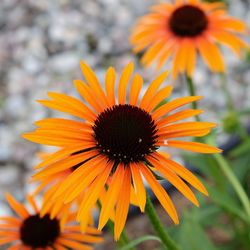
column 125, row 133
column 188, row 21
column 39, row 232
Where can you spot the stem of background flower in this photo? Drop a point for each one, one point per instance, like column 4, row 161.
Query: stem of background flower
column 158, row 226
column 228, row 97
column 124, row 240
column 224, row 165
column 230, row 105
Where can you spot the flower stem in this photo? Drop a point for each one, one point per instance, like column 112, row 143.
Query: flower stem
column 224, row 165
column 158, row 226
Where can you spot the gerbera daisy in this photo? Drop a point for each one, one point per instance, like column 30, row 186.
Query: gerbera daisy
column 119, row 139
column 182, row 29
column 33, row 231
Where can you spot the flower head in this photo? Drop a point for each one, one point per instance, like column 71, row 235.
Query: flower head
column 116, row 143
column 34, row 231
column 183, row 28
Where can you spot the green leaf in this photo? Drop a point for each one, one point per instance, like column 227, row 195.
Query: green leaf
column 192, row 236
column 224, row 200
column 140, row 240
column 243, row 148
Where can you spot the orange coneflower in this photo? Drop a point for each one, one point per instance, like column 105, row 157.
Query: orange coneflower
column 181, row 29
column 121, row 140
column 32, row 231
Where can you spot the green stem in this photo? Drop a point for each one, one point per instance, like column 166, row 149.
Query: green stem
column 191, row 90
column 234, row 181
column 225, row 167
column 243, row 134
column 228, row 97
column 158, row 226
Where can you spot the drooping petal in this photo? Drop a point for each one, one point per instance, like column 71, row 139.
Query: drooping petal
column 160, row 193
column 138, row 186
column 111, row 196
column 122, row 204
column 174, row 180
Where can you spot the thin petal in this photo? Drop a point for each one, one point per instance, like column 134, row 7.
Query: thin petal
column 166, row 108
column 135, row 89
column 87, row 94
column 153, row 87
column 110, row 85
column 111, row 196
column 125, row 76
column 161, row 95
column 93, row 83
column 17, row 207
column 174, row 180
column 160, row 193
column 93, row 194
column 211, row 54
column 138, row 185
column 122, row 204
column 180, row 115
column 194, row 146
column 184, row 173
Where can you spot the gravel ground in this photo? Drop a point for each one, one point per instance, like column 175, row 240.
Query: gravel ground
column 41, row 43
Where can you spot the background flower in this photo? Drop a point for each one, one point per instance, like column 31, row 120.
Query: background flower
column 33, row 231
column 184, row 28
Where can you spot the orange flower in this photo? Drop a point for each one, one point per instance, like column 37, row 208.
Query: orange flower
column 183, row 28
column 118, row 139
column 33, row 231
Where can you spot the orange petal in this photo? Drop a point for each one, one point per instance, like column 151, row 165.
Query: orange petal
column 60, row 154
column 93, row 194
column 122, row 204
column 62, row 123
column 184, row 173
column 180, row 115
column 153, row 87
column 211, row 54
column 135, row 89
column 194, row 146
column 111, row 196
column 160, row 193
column 70, row 102
column 87, row 94
column 159, row 97
column 17, row 207
column 125, row 76
column 93, row 82
column 184, row 126
column 174, row 180
column 138, row 185
column 64, row 164
column 153, row 52
column 166, row 108
column 110, row 85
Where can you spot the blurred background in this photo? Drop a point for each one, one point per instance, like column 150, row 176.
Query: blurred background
column 41, row 44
